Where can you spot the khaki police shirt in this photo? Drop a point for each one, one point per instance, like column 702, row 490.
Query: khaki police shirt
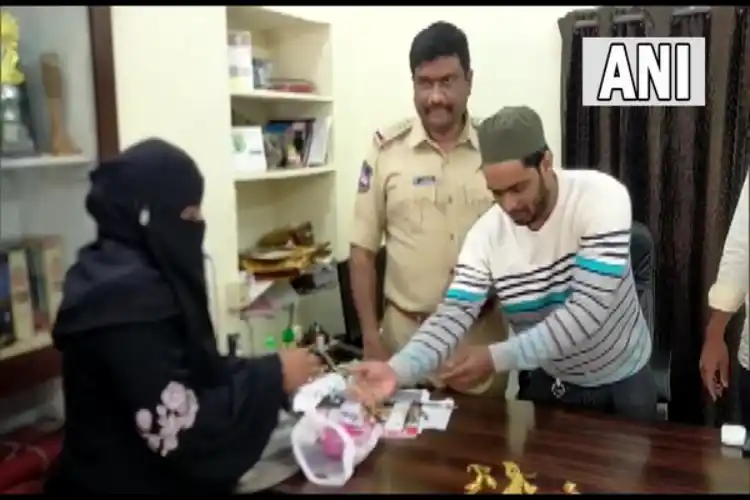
column 424, row 201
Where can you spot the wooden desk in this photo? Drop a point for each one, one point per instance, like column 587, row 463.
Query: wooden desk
column 599, row 454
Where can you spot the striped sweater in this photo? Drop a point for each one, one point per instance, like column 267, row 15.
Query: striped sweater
column 567, row 291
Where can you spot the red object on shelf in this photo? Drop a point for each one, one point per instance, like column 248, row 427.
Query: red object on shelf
column 299, row 86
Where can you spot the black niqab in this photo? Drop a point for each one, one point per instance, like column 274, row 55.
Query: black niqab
column 146, row 263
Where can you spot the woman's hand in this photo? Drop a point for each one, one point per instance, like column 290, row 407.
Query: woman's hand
column 299, row 366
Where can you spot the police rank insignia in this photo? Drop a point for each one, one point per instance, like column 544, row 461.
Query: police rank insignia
column 365, row 178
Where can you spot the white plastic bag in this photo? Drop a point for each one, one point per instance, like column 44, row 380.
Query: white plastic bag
column 329, row 444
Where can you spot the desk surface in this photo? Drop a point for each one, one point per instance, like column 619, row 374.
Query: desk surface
column 599, row 454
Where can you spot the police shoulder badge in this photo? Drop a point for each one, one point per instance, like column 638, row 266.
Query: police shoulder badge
column 365, row 178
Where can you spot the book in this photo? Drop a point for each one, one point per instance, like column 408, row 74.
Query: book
column 44, row 255
column 16, row 311
column 249, row 154
column 290, row 140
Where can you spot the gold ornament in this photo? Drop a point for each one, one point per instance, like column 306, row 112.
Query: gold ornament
column 10, row 74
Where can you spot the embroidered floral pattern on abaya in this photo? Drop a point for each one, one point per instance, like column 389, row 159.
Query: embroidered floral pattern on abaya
column 175, row 413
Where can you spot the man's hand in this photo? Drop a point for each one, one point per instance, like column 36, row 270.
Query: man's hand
column 374, row 347
column 714, row 365
column 458, row 357
column 374, row 382
column 469, row 367
column 299, row 366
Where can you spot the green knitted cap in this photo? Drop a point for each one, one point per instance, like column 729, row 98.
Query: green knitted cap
column 512, row 133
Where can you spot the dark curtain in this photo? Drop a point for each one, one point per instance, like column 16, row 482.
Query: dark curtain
column 684, row 168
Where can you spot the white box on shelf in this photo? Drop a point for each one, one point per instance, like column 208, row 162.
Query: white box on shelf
column 248, row 151
column 240, row 51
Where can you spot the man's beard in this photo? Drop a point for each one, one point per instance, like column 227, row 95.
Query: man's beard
column 541, row 205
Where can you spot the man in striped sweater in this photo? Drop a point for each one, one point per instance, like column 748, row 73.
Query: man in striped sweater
column 555, row 250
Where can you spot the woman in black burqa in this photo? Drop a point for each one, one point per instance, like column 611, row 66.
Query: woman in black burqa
column 150, row 404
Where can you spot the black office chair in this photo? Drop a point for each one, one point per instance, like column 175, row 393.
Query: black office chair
column 643, row 260
column 353, row 334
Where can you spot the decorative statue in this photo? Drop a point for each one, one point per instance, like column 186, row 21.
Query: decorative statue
column 14, row 130
column 61, row 143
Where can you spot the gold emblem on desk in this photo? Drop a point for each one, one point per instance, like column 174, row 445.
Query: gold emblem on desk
column 518, row 483
column 571, row 488
column 483, row 479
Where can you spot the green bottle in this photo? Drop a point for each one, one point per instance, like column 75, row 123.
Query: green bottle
column 288, row 339
column 271, row 344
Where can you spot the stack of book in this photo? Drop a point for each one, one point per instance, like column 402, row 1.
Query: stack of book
column 31, row 276
column 281, row 144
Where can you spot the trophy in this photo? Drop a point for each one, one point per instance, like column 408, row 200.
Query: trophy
column 15, row 139
column 61, row 143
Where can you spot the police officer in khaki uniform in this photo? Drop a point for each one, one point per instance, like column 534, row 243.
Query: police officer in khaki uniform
column 420, row 186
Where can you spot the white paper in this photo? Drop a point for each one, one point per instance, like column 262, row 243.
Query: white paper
column 437, row 414
column 318, row 152
column 733, row 435
column 397, row 416
column 410, row 395
column 273, row 299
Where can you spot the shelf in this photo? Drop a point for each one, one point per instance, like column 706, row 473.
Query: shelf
column 268, row 48
column 43, row 161
column 283, row 174
column 278, row 96
column 39, row 341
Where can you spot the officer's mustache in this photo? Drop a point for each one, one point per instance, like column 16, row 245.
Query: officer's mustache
column 432, row 109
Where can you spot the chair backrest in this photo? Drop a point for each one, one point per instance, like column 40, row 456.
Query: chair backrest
column 643, row 262
column 353, row 335
column 642, row 256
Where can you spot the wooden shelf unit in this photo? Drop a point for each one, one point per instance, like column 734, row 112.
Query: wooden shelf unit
column 298, row 49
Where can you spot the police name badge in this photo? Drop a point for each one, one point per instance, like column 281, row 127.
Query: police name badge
column 424, row 180
column 365, row 178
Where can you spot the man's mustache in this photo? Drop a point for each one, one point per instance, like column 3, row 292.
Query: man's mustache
column 439, row 108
